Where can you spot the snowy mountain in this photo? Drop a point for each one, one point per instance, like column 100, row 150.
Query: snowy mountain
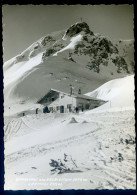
column 74, row 56
column 92, row 149
column 119, row 93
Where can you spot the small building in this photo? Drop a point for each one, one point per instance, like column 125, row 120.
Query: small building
column 61, row 102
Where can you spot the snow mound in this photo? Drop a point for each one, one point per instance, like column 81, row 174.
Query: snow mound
column 119, row 93
column 73, row 120
column 84, row 121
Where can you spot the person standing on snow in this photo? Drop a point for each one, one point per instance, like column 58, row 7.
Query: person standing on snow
column 76, row 109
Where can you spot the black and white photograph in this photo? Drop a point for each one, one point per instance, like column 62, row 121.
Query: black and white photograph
column 69, row 103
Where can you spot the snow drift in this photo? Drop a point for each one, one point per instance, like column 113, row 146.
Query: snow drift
column 119, row 93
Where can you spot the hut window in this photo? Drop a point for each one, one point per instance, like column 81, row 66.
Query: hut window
column 58, row 108
column 51, row 108
column 87, row 106
column 80, row 105
column 69, row 105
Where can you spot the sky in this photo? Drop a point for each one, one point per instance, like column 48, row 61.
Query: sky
column 25, row 24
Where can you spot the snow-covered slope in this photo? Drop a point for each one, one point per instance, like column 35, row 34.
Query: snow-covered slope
column 119, row 92
column 102, row 145
column 74, row 56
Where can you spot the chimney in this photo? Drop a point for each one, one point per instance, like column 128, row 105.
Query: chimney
column 70, row 89
column 79, row 91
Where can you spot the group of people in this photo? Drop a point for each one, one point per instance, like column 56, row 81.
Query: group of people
column 46, row 110
column 78, row 109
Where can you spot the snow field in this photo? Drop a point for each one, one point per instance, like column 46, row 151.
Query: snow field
column 94, row 145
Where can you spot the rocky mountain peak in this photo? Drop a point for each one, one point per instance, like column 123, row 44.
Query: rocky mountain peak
column 77, row 28
column 94, row 51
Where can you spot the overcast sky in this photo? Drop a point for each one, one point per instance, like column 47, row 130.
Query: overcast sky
column 23, row 25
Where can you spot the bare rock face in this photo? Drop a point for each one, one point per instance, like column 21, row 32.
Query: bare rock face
column 77, row 28
column 47, row 39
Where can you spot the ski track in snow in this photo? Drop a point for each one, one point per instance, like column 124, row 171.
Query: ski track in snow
column 12, row 128
column 92, row 149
